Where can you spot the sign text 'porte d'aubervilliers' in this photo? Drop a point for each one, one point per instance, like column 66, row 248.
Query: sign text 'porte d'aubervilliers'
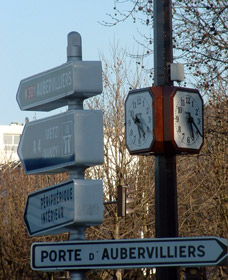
column 131, row 253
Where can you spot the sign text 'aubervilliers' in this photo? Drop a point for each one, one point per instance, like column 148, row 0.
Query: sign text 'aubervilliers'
column 129, row 253
column 52, row 84
column 153, row 252
column 47, row 86
column 56, row 81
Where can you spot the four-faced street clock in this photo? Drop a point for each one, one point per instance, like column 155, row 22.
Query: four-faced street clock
column 164, row 120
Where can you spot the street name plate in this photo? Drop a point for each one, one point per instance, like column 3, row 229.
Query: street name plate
column 58, row 208
column 71, row 139
column 53, row 88
column 131, row 253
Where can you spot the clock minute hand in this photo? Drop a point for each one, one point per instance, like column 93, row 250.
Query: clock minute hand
column 137, row 122
column 138, row 130
column 193, row 122
column 190, row 121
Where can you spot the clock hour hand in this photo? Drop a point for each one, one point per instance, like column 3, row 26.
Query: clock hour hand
column 140, row 128
column 136, row 120
column 139, row 131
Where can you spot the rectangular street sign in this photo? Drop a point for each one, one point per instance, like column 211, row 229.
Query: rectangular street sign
column 129, row 253
column 58, row 208
column 54, row 144
column 53, row 88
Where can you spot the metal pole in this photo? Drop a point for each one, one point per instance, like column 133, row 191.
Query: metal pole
column 74, row 53
column 166, row 217
column 79, row 232
column 166, row 224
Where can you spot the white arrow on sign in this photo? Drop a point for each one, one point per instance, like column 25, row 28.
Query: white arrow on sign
column 53, row 88
column 53, row 144
column 58, row 208
column 132, row 253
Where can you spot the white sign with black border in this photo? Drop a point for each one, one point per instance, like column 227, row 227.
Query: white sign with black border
column 131, row 253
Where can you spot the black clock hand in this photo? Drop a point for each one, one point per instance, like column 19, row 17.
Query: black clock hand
column 136, row 120
column 193, row 122
column 190, row 121
column 139, row 125
column 191, row 127
column 138, row 130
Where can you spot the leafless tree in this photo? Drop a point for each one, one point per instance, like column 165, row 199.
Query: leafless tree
column 199, row 35
column 15, row 242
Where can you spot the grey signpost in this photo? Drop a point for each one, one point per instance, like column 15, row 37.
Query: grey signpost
column 136, row 253
column 72, row 141
column 60, row 208
column 53, row 88
column 61, row 142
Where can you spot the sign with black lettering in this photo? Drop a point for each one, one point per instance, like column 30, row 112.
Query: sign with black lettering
column 71, row 139
column 131, row 253
column 57, row 208
column 53, row 88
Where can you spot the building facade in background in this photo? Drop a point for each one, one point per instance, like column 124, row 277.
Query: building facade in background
column 9, row 140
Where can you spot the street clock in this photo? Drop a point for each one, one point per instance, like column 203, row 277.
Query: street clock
column 163, row 120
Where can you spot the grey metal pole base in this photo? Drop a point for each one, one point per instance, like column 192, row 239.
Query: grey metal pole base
column 77, row 234
column 77, row 275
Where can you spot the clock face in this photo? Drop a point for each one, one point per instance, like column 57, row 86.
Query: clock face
column 139, row 121
column 188, row 120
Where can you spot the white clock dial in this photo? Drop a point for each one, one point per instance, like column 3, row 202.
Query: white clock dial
column 139, row 121
column 188, row 120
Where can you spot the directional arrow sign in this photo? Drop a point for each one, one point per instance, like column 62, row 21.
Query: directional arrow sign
column 135, row 253
column 56, row 143
column 58, row 208
column 53, row 88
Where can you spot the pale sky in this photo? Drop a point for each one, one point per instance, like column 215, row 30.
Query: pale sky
column 34, row 39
